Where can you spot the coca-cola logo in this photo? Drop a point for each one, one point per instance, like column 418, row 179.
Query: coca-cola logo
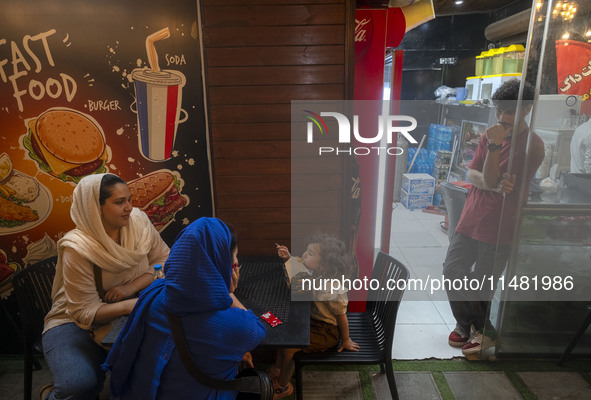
column 363, row 36
column 360, row 30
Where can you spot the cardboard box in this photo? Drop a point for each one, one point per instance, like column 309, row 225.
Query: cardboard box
column 418, row 183
column 415, row 201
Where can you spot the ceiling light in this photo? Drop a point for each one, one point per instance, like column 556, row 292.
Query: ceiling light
column 459, row 2
column 566, row 9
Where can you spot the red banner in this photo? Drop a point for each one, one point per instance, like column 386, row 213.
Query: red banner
column 573, row 67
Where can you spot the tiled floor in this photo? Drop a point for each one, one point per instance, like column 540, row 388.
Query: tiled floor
column 411, row 385
column 424, row 319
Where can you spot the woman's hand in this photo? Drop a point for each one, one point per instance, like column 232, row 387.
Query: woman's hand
column 348, row 344
column 283, row 252
column 247, row 360
column 235, row 278
column 119, row 293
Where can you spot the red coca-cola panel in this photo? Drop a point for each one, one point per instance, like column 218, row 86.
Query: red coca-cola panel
column 371, row 36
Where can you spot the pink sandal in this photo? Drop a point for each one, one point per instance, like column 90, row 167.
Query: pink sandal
column 281, row 392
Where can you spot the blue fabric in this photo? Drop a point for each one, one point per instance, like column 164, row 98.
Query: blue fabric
column 74, row 359
column 199, row 269
column 143, row 361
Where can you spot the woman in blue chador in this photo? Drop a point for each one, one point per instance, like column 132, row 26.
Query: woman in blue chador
column 201, row 274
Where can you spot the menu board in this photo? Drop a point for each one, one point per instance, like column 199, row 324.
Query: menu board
column 92, row 87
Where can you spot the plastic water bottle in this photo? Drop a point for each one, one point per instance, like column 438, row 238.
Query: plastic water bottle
column 158, row 272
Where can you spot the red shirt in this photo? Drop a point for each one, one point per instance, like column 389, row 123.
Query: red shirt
column 481, row 216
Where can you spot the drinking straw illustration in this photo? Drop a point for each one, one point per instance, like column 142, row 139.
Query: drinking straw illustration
column 151, row 48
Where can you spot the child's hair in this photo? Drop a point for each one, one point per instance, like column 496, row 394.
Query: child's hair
column 336, row 259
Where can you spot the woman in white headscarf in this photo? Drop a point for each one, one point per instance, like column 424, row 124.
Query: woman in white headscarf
column 102, row 266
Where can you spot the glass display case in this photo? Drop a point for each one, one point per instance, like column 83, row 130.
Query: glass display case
column 552, row 286
column 470, row 137
column 547, row 282
column 470, row 122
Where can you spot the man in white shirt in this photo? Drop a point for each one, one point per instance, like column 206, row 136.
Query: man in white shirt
column 580, row 149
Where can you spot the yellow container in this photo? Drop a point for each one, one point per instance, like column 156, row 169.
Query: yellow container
column 487, row 63
column 513, row 59
column 479, row 64
column 497, row 60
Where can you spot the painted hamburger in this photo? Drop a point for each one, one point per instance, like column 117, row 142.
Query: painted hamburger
column 66, row 144
column 158, row 194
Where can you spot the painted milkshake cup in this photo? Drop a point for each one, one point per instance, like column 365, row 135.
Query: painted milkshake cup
column 158, row 103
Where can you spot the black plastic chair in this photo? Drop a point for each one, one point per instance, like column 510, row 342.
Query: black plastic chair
column 32, row 287
column 372, row 329
column 454, row 198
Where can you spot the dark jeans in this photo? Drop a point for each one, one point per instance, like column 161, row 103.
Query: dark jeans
column 479, row 261
column 75, row 363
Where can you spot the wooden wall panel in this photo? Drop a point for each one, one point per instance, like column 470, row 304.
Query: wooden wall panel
column 278, row 75
column 251, row 113
column 274, row 36
column 245, row 166
column 253, row 132
column 265, row 2
column 277, row 15
column 252, row 150
column 259, row 56
column 247, row 95
column 276, row 55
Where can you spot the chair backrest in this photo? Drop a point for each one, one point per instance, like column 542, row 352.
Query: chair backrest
column 382, row 305
column 32, row 287
column 454, row 198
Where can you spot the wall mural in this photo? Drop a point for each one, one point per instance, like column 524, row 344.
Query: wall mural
column 95, row 87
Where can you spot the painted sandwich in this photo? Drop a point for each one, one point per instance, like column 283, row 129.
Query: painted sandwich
column 66, row 144
column 16, row 189
column 158, row 194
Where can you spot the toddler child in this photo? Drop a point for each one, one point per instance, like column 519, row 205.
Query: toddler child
column 327, row 258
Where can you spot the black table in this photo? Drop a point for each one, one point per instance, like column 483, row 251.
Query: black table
column 262, row 287
column 111, row 337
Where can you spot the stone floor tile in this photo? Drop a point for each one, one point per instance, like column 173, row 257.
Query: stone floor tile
column 422, row 341
column 418, row 312
column 557, row 385
column 12, row 384
column 493, row 385
column 332, row 385
column 410, row 385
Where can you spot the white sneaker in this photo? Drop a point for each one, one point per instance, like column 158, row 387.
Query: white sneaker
column 477, row 343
